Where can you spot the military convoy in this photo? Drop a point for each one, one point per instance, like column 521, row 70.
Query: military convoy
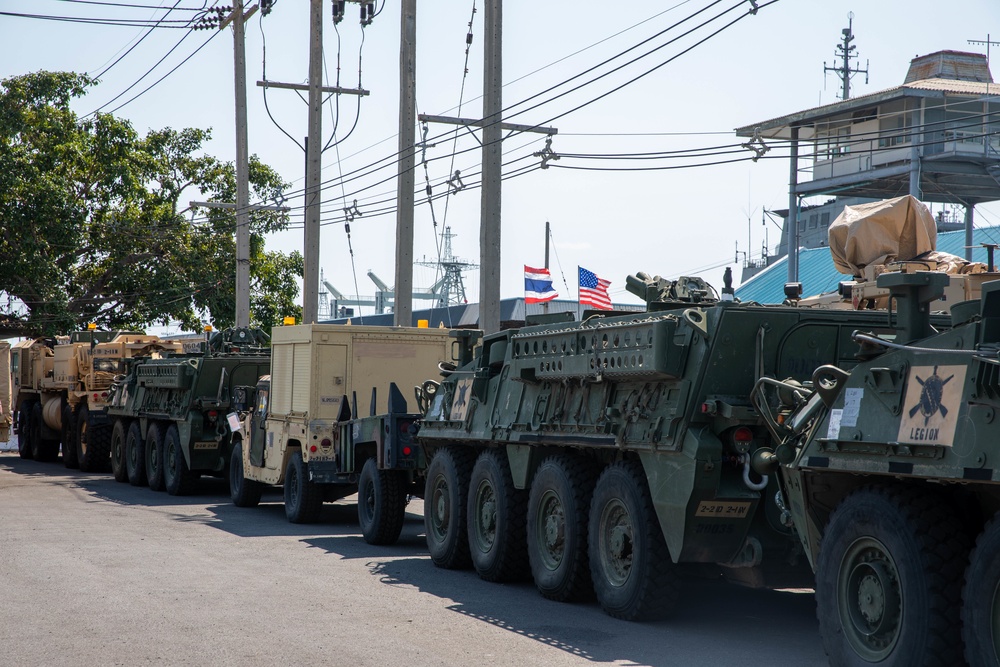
column 775, row 446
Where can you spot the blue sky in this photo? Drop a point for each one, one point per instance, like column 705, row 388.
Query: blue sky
column 672, row 222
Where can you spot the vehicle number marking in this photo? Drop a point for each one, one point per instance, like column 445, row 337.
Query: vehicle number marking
column 723, row 509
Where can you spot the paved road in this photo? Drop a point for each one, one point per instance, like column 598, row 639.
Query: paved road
column 93, row 572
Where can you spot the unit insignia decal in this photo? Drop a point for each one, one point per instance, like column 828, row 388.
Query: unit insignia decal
column 931, row 404
column 460, row 406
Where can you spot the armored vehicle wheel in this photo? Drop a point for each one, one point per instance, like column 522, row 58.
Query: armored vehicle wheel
column 154, row 457
column 381, row 503
column 888, row 580
column 24, row 448
column 981, row 600
column 135, row 455
column 558, row 508
column 69, row 438
column 303, row 499
column 118, row 435
column 634, row 578
column 445, row 493
column 93, row 444
column 177, row 477
column 243, row 492
column 496, row 516
column 42, row 449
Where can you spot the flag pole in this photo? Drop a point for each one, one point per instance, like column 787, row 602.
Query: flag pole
column 545, row 306
column 579, row 308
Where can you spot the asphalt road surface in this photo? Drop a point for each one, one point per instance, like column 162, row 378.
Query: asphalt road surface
column 93, row 572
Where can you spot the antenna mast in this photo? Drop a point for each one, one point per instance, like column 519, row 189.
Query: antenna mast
column 845, row 51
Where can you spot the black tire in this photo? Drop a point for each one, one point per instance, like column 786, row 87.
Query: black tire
column 558, row 512
column 119, row 433
column 303, row 498
column 24, row 440
column 634, row 577
column 497, row 514
column 42, row 449
column 981, row 600
column 381, row 503
column 93, row 443
column 243, row 492
column 68, row 438
column 153, row 457
column 135, row 455
column 177, row 477
column 445, row 494
column 889, row 579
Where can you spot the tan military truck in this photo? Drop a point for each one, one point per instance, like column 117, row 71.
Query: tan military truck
column 60, row 388
column 6, row 412
column 294, row 437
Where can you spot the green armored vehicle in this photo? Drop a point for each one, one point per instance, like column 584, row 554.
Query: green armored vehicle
column 173, row 418
column 608, row 453
column 892, row 475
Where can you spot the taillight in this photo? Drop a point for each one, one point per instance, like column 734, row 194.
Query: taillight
column 407, row 451
column 313, row 448
column 742, row 437
column 326, row 443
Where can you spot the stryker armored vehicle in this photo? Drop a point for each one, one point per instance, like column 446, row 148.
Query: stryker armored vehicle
column 892, row 475
column 301, row 434
column 173, row 418
column 60, row 389
column 609, row 453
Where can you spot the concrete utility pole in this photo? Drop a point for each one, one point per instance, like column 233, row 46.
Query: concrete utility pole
column 403, row 311
column 314, row 166
column 489, row 230
column 242, row 173
column 238, row 18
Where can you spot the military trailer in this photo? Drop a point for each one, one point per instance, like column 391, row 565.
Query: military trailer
column 606, row 454
column 301, row 434
column 892, row 478
column 60, row 389
column 173, row 418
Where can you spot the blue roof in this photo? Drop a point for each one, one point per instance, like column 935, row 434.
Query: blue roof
column 818, row 275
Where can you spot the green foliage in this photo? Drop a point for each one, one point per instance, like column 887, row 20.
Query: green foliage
column 92, row 228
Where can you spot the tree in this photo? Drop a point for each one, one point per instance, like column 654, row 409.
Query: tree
column 92, row 228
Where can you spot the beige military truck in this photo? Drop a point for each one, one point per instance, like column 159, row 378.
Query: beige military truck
column 294, row 434
column 6, row 413
column 60, row 388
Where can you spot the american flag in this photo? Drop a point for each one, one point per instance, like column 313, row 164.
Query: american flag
column 594, row 290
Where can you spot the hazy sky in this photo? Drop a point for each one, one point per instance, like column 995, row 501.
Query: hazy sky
column 683, row 221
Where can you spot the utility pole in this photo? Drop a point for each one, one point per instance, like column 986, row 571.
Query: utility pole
column 314, row 155
column 314, row 166
column 237, row 17
column 403, row 310
column 242, row 172
column 489, row 226
column 845, row 51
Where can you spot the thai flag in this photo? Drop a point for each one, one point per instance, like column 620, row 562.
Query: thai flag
column 538, row 285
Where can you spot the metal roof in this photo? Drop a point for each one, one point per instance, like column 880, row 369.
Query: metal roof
column 780, row 127
column 467, row 315
column 818, row 275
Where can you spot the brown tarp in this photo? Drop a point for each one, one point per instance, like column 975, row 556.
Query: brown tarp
column 881, row 232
